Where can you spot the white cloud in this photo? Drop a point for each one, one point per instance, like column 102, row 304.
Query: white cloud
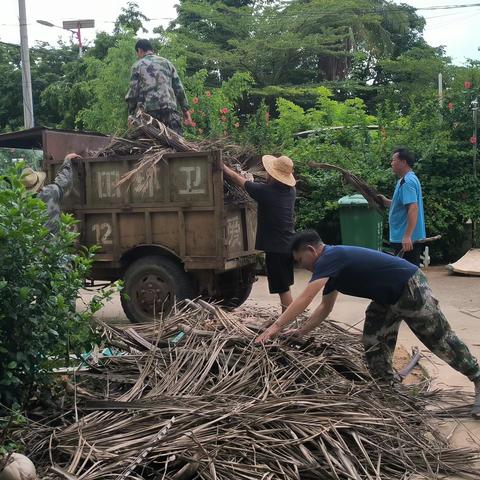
column 104, row 12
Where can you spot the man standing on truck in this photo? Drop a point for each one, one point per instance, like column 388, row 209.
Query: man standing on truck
column 156, row 84
column 398, row 291
column 275, row 221
column 406, row 220
column 53, row 193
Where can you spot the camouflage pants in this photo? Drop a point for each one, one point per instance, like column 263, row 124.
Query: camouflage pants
column 171, row 118
column 420, row 310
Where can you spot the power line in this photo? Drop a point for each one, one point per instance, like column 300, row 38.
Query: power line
column 325, row 12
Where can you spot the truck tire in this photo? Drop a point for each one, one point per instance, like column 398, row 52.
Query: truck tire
column 239, row 297
column 152, row 284
column 237, row 287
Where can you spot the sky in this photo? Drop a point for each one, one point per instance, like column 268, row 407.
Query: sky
column 456, row 29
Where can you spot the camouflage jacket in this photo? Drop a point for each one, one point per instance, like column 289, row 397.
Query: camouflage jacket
column 53, row 193
column 156, row 84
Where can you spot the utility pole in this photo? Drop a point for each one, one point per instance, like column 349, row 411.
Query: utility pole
column 474, row 137
column 440, row 90
column 26, row 77
column 474, row 106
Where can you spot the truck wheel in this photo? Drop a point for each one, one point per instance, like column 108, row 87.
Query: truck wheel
column 152, row 285
column 236, row 287
column 239, row 297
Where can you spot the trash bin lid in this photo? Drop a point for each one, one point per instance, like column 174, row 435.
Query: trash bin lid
column 356, row 199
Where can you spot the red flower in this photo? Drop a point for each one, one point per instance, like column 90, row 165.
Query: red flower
column 195, row 100
column 208, row 93
column 236, row 124
column 193, row 124
column 450, row 106
column 473, row 140
column 223, row 118
column 467, row 84
column 224, row 110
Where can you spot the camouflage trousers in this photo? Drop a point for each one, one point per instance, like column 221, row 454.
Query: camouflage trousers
column 420, row 310
column 171, row 118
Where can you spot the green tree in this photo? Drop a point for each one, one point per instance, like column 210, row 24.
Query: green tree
column 46, row 68
column 298, row 42
column 11, row 106
column 130, row 20
column 107, row 112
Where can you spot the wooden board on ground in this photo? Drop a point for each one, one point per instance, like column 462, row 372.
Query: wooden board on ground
column 469, row 264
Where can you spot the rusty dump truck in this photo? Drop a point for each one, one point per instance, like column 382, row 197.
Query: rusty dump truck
column 178, row 238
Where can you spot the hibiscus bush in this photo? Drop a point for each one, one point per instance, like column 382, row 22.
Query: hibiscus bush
column 214, row 110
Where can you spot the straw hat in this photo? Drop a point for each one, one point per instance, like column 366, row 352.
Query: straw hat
column 280, row 168
column 32, row 180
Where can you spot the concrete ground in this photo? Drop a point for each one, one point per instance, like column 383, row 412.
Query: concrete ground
column 459, row 298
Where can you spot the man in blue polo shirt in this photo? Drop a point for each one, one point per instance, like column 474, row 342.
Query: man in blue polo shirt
column 406, row 219
column 398, row 291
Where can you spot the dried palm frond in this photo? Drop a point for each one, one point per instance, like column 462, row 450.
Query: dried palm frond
column 370, row 194
column 153, row 140
column 293, row 409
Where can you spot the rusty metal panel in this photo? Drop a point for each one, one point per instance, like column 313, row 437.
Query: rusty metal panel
column 102, row 188
column 240, row 225
column 218, row 197
column 234, row 233
column 165, row 230
column 181, row 209
column 251, row 224
column 199, row 233
column 149, row 188
column 57, row 144
column 76, row 196
column 191, row 180
column 131, row 228
column 99, row 231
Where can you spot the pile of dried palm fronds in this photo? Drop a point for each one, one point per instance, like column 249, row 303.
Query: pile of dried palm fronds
column 152, row 140
column 193, row 397
column 370, row 194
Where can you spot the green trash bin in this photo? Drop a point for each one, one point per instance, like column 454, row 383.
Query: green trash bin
column 360, row 224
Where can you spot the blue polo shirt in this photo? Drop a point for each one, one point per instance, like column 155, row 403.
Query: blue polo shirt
column 363, row 272
column 408, row 190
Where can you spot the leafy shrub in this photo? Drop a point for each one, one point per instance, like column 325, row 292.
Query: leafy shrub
column 40, row 276
column 439, row 137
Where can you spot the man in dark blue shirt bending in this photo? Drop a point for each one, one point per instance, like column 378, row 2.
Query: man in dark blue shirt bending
column 398, row 290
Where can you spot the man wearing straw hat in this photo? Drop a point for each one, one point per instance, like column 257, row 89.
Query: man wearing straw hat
column 53, row 193
column 275, row 221
column 398, row 291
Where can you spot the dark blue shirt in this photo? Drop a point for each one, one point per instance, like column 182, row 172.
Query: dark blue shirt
column 362, row 272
